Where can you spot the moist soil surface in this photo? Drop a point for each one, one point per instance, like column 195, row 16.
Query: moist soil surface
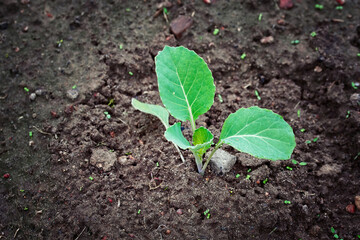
column 84, row 58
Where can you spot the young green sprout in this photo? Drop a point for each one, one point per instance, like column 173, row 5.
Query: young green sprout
column 187, row 90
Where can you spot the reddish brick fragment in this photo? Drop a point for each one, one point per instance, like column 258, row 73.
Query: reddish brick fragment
column 179, row 25
column 286, row 4
column 6, row 175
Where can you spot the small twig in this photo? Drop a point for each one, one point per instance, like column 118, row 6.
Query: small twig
column 154, row 183
column 80, row 233
column 3, row 97
column 181, row 156
column 273, row 230
column 17, row 230
column 297, row 104
column 40, row 131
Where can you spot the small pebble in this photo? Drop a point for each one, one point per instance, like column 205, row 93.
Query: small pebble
column 266, row 40
column 32, row 96
column 317, row 69
column 72, row 94
column 355, row 99
column 31, row 143
column 350, row 208
column 39, row 92
column 179, row 211
column 357, row 202
column 168, row 232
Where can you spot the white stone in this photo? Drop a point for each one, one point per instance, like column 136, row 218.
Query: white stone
column 222, row 161
column 103, row 158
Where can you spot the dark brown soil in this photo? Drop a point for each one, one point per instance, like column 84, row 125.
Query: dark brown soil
column 55, row 193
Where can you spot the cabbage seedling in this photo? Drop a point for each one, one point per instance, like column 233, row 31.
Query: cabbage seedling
column 187, row 90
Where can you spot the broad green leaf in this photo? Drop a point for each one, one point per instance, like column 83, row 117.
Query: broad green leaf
column 202, row 140
column 186, row 85
column 155, row 110
column 175, row 135
column 259, row 132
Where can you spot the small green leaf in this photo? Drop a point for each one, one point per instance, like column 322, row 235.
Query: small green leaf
column 259, row 132
column 332, row 230
column 243, row 56
column 175, row 135
column 216, row 31
column 237, row 175
column 294, row 161
column 303, row 164
column 186, row 85
column 202, row 140
column 155, row 110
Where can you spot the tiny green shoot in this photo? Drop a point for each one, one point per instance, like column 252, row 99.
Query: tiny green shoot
column 339, row 8
column 26, row 89
column 237, row 175
column 157, row 164
column 287, row 202
column 257, row 95
column 59, row 42
column 111, row 102
column 26, row 208
column 107, row 115
column 295, row 42
column 165, row 11
column 354, row 85
column 302, row 163
column 315, row 139
column 294, row 161
column 289, row 168
column 348, row 113
column 220, row 98
column 249, row 170
column 22, row 190
column 243, row 56
column 358, row 54
column 319, row 6
column 207, row 213
column 91, row 178
column 120, row 46
column 302, row 130
column 30, row 134
column 265, row 181
column 248, row 177
column 260, row 17
column 313, row 34
column 74, row 87
column 308, row 141
column 139, row 211
column 216, row 31
column 130, row 73
column 187, row 90
column 299, row 113
column 128, row 9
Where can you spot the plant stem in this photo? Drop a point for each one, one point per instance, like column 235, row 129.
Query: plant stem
column 193, row 126
column 181, row 156
column 198, row 161
column 217, row 146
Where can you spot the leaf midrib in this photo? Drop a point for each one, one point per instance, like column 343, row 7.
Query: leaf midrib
column 182, row 88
